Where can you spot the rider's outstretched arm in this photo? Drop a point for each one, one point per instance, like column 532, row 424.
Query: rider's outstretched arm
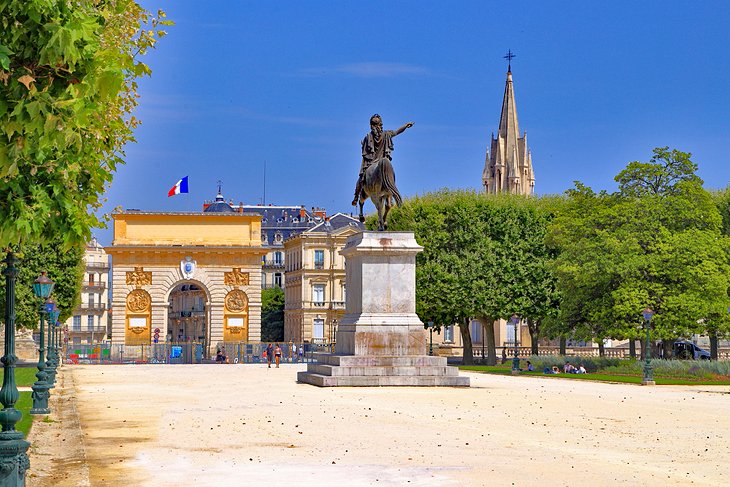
column 403, row 128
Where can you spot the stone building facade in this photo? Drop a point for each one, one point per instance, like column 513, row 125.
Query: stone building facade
column 315, row 290
column 193, row 277
column 89, row 321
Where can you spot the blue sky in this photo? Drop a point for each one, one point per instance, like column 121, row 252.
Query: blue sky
column 292, row 84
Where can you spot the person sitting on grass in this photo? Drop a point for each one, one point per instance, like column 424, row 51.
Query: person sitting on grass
column 556, row 370
column 581, row 370
column 568, row 368
column 530, row 367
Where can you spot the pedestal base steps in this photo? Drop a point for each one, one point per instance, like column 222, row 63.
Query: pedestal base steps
column 334, row 370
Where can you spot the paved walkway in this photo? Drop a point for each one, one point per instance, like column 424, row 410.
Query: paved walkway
column 214, row 425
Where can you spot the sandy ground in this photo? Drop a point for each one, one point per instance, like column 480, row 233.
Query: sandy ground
column 230, row 425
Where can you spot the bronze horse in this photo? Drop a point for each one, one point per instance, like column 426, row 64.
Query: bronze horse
column 379, row 186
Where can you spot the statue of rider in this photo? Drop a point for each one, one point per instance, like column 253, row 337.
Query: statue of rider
column 376, row 145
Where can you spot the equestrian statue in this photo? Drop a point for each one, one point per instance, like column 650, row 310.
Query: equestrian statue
column 377, row 178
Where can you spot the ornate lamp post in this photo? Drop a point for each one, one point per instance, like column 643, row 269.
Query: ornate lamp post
column 516, row 359
column 333, row 333
column 13, row 456
column 648, row 379
column 52, row 362
column 42, row 288
column 429, row 326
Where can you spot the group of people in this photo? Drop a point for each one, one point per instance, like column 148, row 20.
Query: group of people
column 272, row 353
column 568, row 368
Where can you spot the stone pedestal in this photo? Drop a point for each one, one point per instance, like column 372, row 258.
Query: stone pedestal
column 380, row 340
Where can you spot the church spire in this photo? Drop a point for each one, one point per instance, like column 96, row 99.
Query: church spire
column 508, row 165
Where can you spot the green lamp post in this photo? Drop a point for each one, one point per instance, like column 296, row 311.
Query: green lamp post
column 648, row 379
column 42, row 288
column 13, row 457
column 52, row 361
column 430, row 326
column 516, row 359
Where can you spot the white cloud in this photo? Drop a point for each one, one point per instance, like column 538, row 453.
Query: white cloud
column 370, row 70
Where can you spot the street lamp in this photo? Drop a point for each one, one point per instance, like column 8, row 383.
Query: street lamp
column 13, row 447
column 515, row 360
column 648, row 379
column 430, row 326
column 42, row 288
column 52, row 362
column 333, row 334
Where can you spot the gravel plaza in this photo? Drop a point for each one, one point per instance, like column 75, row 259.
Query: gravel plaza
column 214, row 425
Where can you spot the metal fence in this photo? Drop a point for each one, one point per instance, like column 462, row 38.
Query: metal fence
column 722, row 353
column 187, row 353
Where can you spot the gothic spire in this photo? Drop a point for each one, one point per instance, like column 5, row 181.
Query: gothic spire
column 508, row 165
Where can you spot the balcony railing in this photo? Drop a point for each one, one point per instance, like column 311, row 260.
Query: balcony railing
column 97, row 265
column 94, row 285
column 270, row 285
column 185, row 314
column 321, row 304
column 86, row 329
column 319, row 265
column 92, row 307
column 272, row 264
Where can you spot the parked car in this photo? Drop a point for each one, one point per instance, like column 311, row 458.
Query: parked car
column 683, row 349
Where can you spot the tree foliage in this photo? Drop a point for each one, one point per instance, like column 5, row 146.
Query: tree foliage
column 272, row 315
column 65, row 267
column 657, row 242
column 484, row 257
column 68, row 74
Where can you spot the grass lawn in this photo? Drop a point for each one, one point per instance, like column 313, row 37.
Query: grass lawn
column 25, row 376
column 25, row 402
column 630, row 379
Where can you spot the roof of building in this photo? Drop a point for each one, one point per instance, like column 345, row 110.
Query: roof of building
column 219, row 206
column 337, row 222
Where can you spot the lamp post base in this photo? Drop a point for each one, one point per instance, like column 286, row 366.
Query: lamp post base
column 40, row 398
column 645, row 382
column 13, row 459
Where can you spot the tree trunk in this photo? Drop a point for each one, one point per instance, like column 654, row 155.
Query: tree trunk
column 667, row 346
column 534, row 329
column 563, row 341
column 632, row 348
column 468, row 357
column 491, row 344
column 713, row 345
column 601, row 348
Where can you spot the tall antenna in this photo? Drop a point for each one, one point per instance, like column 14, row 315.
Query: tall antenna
column 509, row 57
column 220, row 183
column 263, row 201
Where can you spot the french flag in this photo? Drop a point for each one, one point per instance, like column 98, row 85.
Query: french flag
column 180, row 187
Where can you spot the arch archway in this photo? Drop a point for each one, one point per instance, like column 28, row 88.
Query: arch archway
column 188, row 318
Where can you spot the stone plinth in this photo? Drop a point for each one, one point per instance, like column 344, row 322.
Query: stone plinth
column 380, row 340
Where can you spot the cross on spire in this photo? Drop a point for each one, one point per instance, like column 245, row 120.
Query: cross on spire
column 219, row 186
column 509, row 57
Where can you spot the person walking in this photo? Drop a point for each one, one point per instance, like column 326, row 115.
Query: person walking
column 277, row 355
column 269, row 354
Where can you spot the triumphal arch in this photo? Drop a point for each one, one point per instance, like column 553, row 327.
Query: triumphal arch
column 186, row 277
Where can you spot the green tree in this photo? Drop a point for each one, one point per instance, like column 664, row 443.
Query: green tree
column 68, row 87
column 272, row 315
column 484, row 257
column 64, row 266
column 657, row 242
